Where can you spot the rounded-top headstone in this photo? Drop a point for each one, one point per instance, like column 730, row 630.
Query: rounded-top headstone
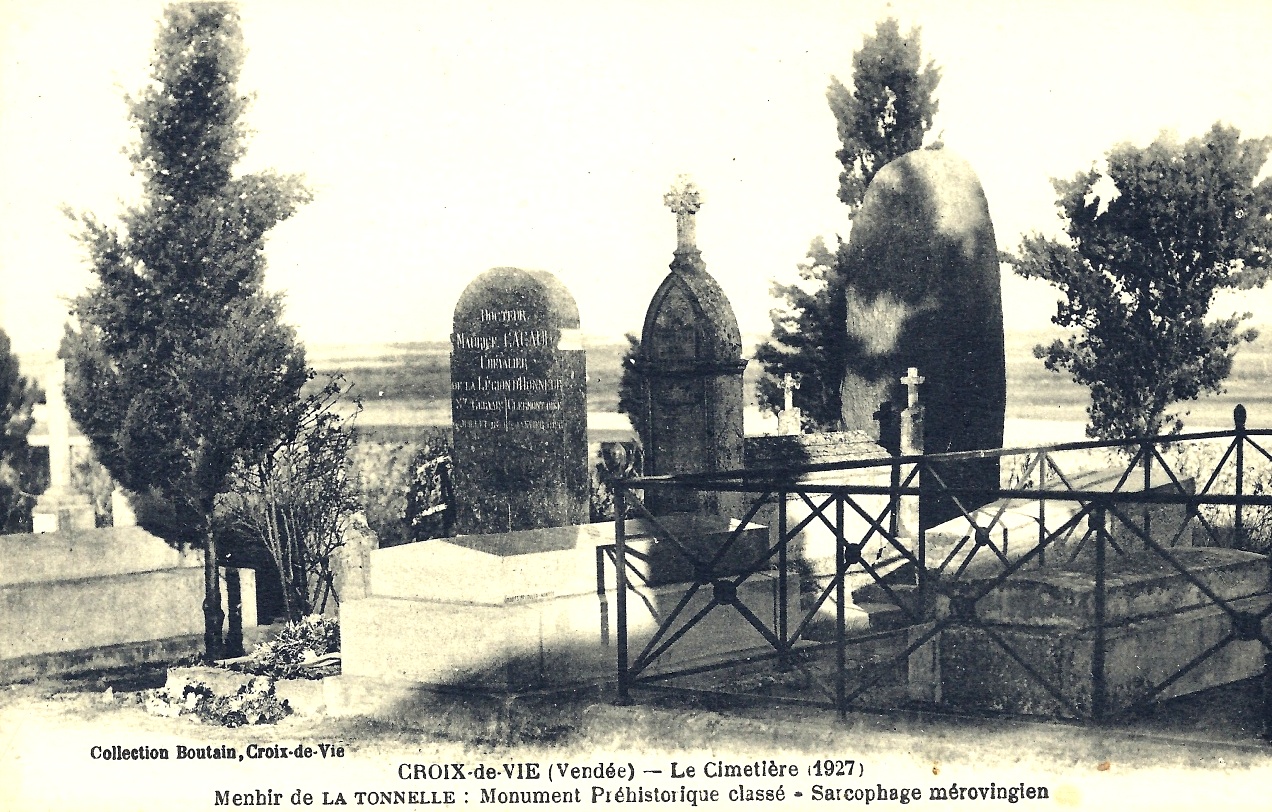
column 925, row 291
column 518, row 404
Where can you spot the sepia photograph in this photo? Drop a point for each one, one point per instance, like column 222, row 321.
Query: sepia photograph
column 674, row 404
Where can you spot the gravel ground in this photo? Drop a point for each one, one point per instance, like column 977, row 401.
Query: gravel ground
column 48, row 732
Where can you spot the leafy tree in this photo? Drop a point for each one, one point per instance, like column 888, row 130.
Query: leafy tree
column 803, row 343
column 887, row 113
column 298, row 497
column 17, row 471
column 1149, row 242
column 632, row 400
column 180, row 363
column 405, row 488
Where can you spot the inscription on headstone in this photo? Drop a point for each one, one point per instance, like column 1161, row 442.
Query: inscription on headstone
column 518, row 404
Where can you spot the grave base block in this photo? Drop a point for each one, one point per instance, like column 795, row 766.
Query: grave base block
column 554, row 641
column 978, row 673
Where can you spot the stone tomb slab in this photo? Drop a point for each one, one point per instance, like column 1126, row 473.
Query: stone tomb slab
column 1138, row 587
column 504, row 568
column 1158, row 621
column 564, row 640
column 524, row 610
column 1015, row 533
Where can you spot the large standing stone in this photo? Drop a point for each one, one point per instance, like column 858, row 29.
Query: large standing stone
column 518, row 404
column 924, row 291
column 692, row 365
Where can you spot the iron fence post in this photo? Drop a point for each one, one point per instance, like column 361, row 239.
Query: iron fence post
column 782, row 594
column 921, row 573
column 894, row 498
column 620, row 582
column 601, row 596
column 1239, row 423
column 1146, row 453
column 841, row 574
column 1044, row 459
column 1099, row 687
column 1267, row 682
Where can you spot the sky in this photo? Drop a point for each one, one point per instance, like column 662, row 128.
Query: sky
column 442, row 139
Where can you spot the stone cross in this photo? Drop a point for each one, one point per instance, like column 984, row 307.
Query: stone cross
column 789, row 421
column 912, row 416
column 789, row 385
column 684, row 199
column 60, row 507
column 58, row 418
column 912, row 381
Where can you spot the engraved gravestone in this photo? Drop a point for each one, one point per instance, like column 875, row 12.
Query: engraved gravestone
column 518, row 404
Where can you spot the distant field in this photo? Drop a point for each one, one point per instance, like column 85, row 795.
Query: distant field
column 404, row 386
column 1033, row 393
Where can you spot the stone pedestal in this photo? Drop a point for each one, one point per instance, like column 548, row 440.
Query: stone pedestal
column 351, row 564
column 121, row 511
column 62, row 510
column 60, row 507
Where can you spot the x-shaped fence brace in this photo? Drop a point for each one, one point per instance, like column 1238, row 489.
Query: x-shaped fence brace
column 943, row 600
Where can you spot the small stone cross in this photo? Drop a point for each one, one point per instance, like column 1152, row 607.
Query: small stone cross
column 912, row 380
column 684, row 199
column 789, row 385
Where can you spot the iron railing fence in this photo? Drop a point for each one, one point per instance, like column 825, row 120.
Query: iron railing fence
column 1162, row 494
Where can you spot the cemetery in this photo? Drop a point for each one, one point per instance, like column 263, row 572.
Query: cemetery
column 892, row 564
column 837, row 540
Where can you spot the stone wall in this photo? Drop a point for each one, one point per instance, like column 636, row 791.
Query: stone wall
column 84, row 599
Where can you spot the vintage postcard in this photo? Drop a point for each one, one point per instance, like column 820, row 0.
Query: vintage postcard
column 670, row 405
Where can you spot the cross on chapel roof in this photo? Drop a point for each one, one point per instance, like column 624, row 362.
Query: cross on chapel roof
column 685, row 200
